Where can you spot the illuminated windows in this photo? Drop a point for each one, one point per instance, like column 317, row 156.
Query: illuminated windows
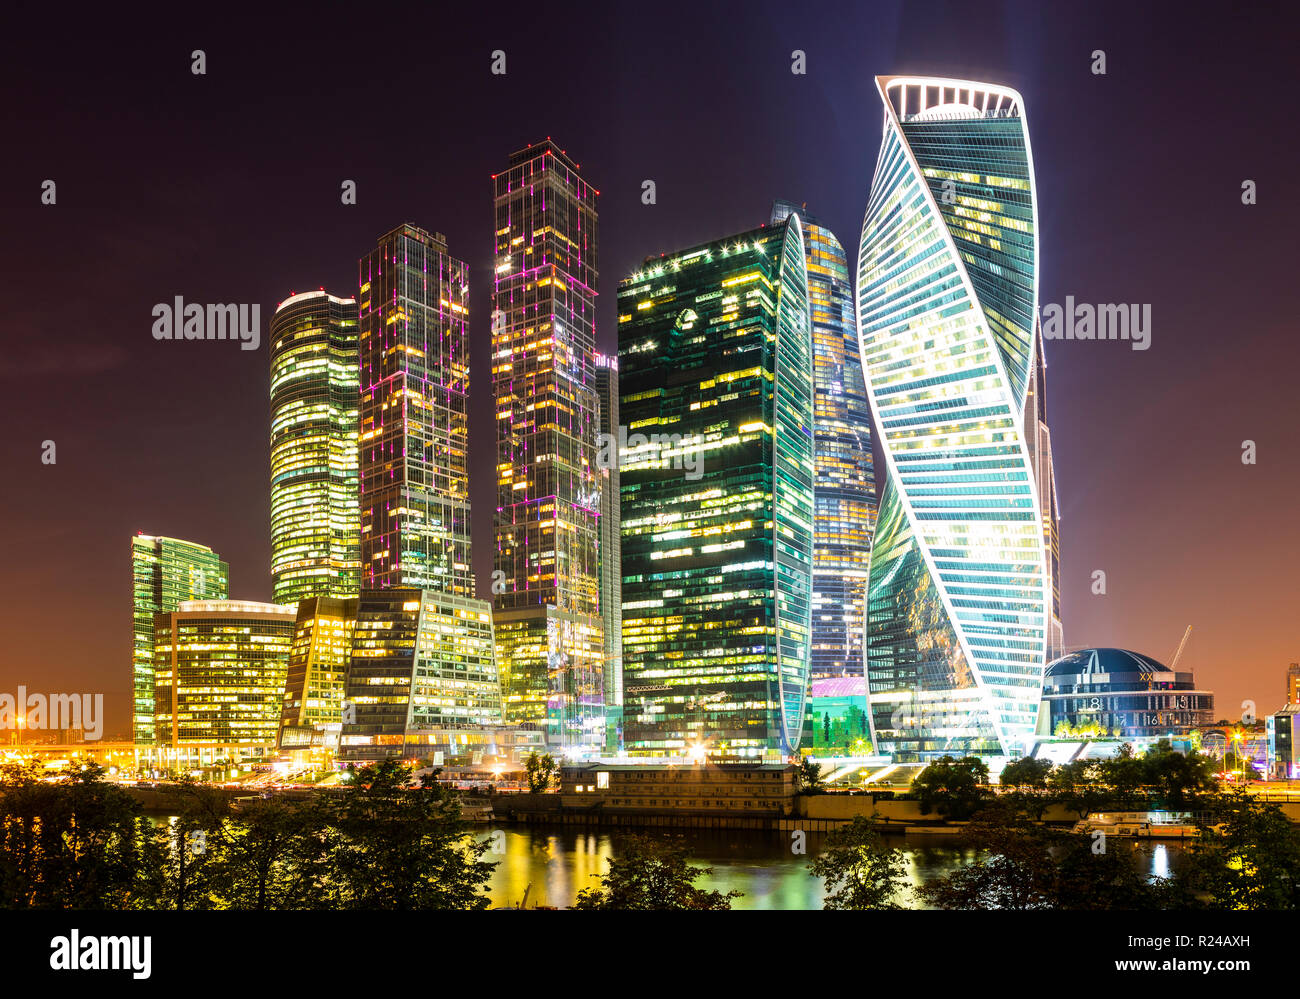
column 957, row 596
column 315, row 525
column 717, row 556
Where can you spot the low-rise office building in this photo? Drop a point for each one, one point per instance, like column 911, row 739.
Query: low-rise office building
column 746, row 789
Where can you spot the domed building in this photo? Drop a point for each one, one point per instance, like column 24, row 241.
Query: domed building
column 1115, row 692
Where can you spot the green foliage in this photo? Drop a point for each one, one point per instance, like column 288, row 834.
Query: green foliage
column 860, row 870
column 652, row 874
column 809, row 775
column 1024, row 783
column 1178, row 781
column 380, row 843
column 1247, row 858
column 1027, row 773
column 952, row 787
column 79, row 844
column 1026, row 866
column 386, row 845
column 541, row 770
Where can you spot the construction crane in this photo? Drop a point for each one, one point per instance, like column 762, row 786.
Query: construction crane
column 1181, row 645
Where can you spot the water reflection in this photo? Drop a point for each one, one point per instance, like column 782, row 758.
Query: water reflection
column 554, row 864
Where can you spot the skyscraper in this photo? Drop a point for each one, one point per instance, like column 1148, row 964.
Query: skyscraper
column 716, row 393
column 1038, row 439
column 414, row 428
column 421, row 667
column 547, row 578
column 611, row 550
column 947, row 300
column 315, row 524
column 164, row 572
column 220, row 677
column 846, row 484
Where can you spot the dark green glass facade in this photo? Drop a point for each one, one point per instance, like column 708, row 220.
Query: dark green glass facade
column 164, row 572
column 716, row 479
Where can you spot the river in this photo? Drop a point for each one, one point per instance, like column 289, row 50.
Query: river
column 559, row 861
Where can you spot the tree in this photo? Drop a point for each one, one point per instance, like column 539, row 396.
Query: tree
column 809, row 775
column 653, row 875
column 1249, row 859
column 1014, row 871
column 190, row 873
column 1024, row 865
column 860, row 870
column 1179, row 780
column 79, row 843
column 1025, row 781
column 1126, row 777
column 267, row 855
column 1079, row 786
column 540, row 770
column 954, row 788
column 1026, row 772
column 386, row 845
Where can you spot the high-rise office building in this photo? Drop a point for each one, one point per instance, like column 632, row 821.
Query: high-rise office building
column 547, row 595
column 716, row 393
column 845, row 511
column 421, row 672
column 1293, row 684
column 611, row 548
column 315, row 524
column 947, row 299
column 422, row 678
column 164, row 572
column 1038, row 439
column 219, row 678
column 312, row 714
column 414, row 426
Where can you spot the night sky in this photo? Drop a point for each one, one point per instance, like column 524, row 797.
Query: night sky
column 225, row 188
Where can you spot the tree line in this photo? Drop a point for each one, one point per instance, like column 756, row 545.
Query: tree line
column 380, row 842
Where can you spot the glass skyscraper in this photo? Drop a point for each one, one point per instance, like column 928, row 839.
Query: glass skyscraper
column 414, row 424
column 315, row 524
column 845, row 508
column 947, row 298
column 547, row 597
column 421, row 673
column 716, row 395
column 1038, row 438
column 164, row 572
column 611, row 551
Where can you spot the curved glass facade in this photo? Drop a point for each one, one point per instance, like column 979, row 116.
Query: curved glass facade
column 315, row 523
column 947, row 297
column 1125, row 695
column 716, row 396
column 845, row 511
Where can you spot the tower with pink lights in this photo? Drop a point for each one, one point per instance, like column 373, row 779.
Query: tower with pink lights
column 546, row 588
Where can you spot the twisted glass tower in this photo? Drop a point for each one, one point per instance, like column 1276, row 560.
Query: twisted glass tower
column 957, row 600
